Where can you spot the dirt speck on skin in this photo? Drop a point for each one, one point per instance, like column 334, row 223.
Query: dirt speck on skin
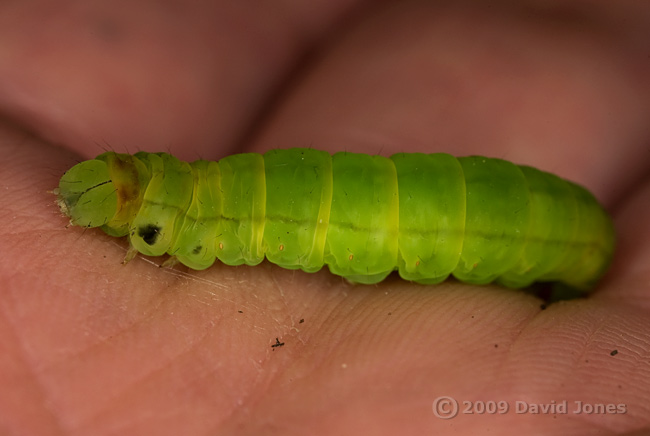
column 277, row 344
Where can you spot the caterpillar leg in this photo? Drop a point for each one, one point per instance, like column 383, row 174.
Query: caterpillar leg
column 130, row 254
column 169, row 263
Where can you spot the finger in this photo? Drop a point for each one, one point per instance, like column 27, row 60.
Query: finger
column 629, row 277
column 147, row 75
column 560, row 93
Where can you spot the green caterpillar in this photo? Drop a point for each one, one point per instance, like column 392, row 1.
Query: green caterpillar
column 425, row 215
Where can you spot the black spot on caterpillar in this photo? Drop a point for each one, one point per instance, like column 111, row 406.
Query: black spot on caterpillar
column 149, row 233
column 425, row 215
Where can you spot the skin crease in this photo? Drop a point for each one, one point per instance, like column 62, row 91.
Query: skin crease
column 93, row 347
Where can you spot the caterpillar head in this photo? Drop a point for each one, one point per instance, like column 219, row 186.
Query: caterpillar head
column 86, row 194
column 104, row 192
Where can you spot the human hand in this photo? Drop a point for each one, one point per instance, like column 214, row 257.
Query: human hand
column 94, row 347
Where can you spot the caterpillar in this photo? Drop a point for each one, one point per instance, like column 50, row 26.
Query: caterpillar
column 427, row 216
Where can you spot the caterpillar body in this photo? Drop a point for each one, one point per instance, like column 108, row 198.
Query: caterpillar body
column 426, row 215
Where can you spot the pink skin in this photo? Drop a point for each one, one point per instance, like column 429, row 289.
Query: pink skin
column 89, row 346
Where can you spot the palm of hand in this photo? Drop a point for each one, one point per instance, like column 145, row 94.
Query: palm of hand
column 93, row 347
